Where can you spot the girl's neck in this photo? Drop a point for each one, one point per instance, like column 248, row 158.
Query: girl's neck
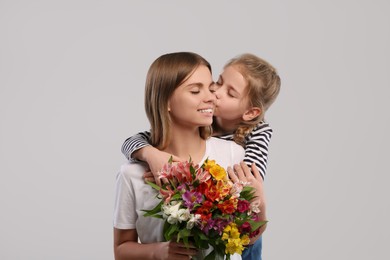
column 186, row 143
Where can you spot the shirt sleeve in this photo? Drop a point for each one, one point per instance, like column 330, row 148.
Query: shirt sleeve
column 256, row 147
column 125, row 215
column 135, row 143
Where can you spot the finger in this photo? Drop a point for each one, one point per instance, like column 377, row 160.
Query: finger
column 233, row 177
column 148, row 177
column 148, row 174
column 182, row 249
column 247, row 172
column 176, row 159
column 164, row 180
column 157, row 179
column 240, row 172
column 256, row 172
column 151, row 179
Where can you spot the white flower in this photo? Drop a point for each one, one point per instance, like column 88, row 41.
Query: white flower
column 193, row 220
column 236, row 189
column 172, row 220
column 255, row 207
column 171, row 208
column 183, row 215
column 173, row 212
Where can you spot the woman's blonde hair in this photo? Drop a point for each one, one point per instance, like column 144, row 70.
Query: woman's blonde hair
column 165, row 74
column 263, row 86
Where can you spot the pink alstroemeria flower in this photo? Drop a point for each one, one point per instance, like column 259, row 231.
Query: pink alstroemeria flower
column 167, row 194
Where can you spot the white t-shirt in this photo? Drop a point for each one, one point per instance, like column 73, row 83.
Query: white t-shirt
column 133, row 195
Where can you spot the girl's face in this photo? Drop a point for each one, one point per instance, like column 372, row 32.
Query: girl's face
column 231, row 103
column 192, row 103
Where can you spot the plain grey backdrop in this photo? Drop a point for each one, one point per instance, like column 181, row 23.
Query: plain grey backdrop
column 71, row 91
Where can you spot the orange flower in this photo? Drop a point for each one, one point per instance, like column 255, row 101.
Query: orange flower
column 228, row 206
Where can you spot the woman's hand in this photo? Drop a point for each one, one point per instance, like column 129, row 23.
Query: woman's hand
column 175, row 251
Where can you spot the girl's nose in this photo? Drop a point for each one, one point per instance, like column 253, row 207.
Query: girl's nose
column 217, row 93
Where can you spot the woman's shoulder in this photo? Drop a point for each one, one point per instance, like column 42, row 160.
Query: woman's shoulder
column 225, row 152
column 132, row 169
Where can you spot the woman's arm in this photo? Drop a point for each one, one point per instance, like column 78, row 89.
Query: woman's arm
column 126, row 246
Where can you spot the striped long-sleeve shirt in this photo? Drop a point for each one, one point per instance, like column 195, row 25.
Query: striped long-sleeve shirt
column 256, row 146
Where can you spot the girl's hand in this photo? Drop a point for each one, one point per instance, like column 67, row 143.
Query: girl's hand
column 156, row 159
column 242, row 173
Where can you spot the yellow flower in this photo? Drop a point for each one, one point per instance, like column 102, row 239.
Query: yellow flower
column 234, row 233
column 218, row 172
column 234, row 246
column 225, row 236
column 245, row 240
column 234, row 243
column 209, row 164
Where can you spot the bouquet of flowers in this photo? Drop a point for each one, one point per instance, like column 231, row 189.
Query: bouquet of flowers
column 202, row 206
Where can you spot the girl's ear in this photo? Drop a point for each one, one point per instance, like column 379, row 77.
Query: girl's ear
column 251, row 113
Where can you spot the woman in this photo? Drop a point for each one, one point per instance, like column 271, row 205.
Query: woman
column 179, row 106
column 247, row 87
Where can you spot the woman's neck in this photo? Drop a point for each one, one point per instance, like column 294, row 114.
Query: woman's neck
column 187, row 143
column 224, row 126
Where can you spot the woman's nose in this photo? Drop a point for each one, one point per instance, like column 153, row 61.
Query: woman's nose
column 210, row 97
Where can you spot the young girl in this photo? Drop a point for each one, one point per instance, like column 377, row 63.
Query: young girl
column 179, row 106
column 245, row 90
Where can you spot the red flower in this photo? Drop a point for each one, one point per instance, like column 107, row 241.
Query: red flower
column 243, row 206
column 228, row 206
column 245, row 228
column 204, row 210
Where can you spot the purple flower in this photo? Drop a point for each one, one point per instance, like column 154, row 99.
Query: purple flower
column 217, row 224
column 191, row 198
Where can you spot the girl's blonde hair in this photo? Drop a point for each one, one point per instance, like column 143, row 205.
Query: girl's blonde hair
column 165, row 74
column 263, row 86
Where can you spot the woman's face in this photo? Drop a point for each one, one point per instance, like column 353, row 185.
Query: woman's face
column 192, row 103
column 231, row 101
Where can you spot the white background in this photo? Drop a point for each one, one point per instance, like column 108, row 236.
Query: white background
column 71, row 91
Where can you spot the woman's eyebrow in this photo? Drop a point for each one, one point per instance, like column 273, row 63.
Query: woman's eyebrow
column 198, row 84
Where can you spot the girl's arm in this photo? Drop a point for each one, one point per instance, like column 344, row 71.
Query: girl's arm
column 138, row 147
column 134, row 143
column 256, row 148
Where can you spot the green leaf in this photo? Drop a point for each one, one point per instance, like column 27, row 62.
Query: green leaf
column 155, row 212
column 154, row 186
column 172, row 229
column 255, row 225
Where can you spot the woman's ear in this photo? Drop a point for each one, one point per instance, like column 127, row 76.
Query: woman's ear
column 251, row 113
